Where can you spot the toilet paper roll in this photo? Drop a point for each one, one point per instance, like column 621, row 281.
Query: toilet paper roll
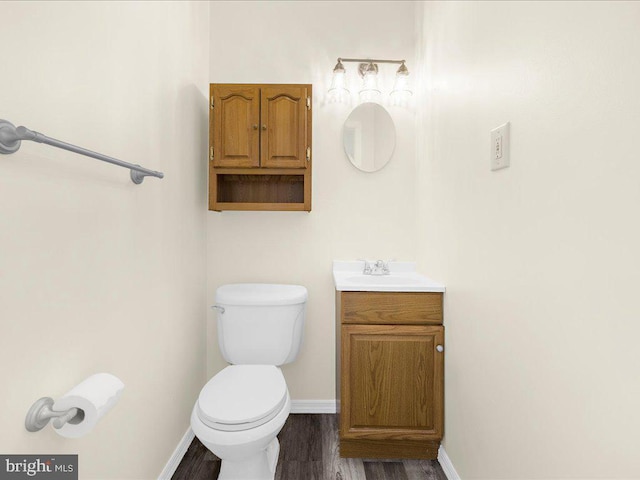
column 94, row 397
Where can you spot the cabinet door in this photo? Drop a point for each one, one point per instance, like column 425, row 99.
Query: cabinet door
column 392, row 382
column 284, row 127
column 235, row 129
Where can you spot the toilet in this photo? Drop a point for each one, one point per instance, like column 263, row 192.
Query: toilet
column 241, row 409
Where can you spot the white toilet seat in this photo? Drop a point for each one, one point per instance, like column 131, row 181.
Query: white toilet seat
column 242, row 397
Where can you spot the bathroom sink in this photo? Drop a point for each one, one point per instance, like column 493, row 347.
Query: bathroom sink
column 349, row 277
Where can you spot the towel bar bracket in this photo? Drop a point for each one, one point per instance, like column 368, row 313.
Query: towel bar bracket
column 137, row 177
column 8, row 143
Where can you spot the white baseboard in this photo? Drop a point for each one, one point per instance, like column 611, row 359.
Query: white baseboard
column 447, row 466
column 313, row 406
column 171, row 466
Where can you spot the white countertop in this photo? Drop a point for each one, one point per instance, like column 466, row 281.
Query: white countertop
column 348, row 277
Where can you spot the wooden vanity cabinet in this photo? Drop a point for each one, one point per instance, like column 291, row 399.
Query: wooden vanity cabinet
column 260, row 147
column 390, row 374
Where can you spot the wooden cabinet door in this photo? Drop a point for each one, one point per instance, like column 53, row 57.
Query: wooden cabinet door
column 235, row 126
column 392, row 385
column 284, row 127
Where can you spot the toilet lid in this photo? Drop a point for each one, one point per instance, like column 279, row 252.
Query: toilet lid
column 261, row 294
column 241, row 397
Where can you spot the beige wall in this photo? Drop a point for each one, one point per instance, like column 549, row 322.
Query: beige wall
column 96, row 273
column 540, row 260
column 354, row 214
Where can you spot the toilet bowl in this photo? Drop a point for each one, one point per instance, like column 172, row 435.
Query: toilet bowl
column 241, row 410
column 238, row 415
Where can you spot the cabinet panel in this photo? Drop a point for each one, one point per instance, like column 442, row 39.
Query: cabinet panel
column 391, row 382
column 235, row 128
column 391, row 308
column 284, row 115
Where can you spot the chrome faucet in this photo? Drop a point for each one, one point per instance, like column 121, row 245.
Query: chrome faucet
column 367, row 268
column 378, row 268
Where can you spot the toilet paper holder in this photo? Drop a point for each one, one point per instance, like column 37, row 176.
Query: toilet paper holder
column 41, row 413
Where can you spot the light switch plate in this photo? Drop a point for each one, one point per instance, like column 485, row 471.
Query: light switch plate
column 499, row 148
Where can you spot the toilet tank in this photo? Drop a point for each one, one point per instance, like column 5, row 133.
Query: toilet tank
column 259, row 323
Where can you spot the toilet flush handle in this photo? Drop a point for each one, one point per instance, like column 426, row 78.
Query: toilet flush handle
column 218, row 307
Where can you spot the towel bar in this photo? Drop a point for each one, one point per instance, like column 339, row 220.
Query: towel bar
column 11, row 137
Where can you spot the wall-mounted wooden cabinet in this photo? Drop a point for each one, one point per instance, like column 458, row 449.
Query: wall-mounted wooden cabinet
column 260, row 147
column 390, row 374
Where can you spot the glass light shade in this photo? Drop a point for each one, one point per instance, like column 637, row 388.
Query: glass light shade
column 401, row 93
column 370, row 91
column 338, row 92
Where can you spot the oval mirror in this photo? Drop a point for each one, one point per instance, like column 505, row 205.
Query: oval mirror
column 369, row 137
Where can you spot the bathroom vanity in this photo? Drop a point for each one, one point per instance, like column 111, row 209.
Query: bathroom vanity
column 389, row 362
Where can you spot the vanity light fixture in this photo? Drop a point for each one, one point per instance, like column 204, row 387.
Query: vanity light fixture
column 370, row 91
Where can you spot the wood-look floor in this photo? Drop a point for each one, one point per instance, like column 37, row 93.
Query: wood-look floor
column 309, row 451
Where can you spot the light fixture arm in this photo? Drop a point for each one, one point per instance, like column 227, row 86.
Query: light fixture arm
column 370, row 65
column 369, row 60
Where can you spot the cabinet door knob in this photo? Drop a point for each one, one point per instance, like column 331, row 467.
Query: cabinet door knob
column 264, row 127
column 440, row 348
column 255, row 126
